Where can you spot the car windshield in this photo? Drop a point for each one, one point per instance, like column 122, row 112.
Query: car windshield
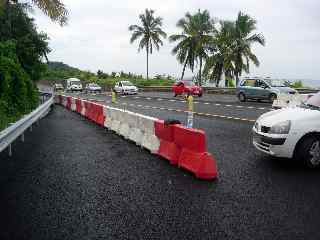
column 313, row 102
column 127, row 84
column 188, row 83
column 94, row 85
column 76, row 83
column 275, row 83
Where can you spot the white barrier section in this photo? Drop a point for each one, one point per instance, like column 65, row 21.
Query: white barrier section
column 73, row 104
column 107, row 119
column 135, row 127
column 135, row 134
column 115, row 119
column 149, row 139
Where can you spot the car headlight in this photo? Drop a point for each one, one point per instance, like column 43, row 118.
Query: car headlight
column 281, row 128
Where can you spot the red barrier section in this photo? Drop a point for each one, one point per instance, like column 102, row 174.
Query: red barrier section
column 98, row 116
column 168, row 149
column 68, row 103
column 190, row 138
column 194, row 156
column 78, row 105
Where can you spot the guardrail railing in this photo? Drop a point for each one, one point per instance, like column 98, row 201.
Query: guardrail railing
column 17, row 129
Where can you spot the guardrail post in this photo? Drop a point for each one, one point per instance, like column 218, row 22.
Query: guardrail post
column 190, row 112
column 31, row 128
column 22, row 137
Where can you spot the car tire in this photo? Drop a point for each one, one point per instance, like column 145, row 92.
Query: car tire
column 200, row 95
column 242, row 97
column 272, row 97
column 175, row 95
column 308, row 151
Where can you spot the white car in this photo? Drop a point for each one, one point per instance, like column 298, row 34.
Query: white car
column 291, row 132
column 125, row 87
column 73, row 84
column 93, row 87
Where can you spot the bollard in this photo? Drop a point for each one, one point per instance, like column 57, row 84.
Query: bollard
column 190, row 103
column 113, row 97
column 190, row 112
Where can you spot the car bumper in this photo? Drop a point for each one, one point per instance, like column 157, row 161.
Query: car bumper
column 130, row 91
column 277, row 146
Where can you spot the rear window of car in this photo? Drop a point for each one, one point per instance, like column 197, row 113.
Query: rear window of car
column 249, row 83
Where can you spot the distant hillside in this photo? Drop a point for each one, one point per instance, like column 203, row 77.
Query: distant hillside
column 60, row 66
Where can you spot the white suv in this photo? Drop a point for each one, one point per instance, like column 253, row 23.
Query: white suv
column 291, row 132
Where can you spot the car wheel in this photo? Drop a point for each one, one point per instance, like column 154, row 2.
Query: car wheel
column 175, row 95
column 200, row 95
column 272, row 97
column 242, row 97
column 308, row 151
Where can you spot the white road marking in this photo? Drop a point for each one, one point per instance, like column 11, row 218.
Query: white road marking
column 139, row 105
column 228, row 105
column 206, row 103
column 148, row 98
column 136, row 97
column 250, row 107
column 239, row 106
column 172, row 100
column 262, row 108
column 159, row 99
column 217, row 104
column 195, row 102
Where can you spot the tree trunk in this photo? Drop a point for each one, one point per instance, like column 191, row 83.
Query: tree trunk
column 147, row 61
column 237, row 79
column 200, row 70
column 8, row 10
column 184, row 68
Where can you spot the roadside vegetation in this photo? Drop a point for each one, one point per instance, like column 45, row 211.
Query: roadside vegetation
column 57, row 72
column 22, row 52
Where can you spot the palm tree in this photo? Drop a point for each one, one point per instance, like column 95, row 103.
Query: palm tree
column 204, row 27
column 150, row 33
column 244, row 38
column 221, row 59
column 54, row 9
column 185, row 49
column 195, row 37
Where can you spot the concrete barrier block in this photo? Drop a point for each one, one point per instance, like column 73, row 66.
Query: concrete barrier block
column 151, row 142
column 136, row 135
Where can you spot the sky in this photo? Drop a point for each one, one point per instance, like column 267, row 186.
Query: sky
column 97, row 35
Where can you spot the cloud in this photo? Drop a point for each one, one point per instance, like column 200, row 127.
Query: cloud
column 97, row 35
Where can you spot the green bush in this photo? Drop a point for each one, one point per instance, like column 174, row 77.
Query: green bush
column 296, row 84
column 18, row 94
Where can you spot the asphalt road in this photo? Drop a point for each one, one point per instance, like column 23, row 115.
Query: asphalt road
column 72, row 179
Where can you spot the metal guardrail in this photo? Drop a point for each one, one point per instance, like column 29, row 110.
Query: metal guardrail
column 17, row 129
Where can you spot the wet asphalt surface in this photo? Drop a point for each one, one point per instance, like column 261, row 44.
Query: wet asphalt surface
column 72, row 179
